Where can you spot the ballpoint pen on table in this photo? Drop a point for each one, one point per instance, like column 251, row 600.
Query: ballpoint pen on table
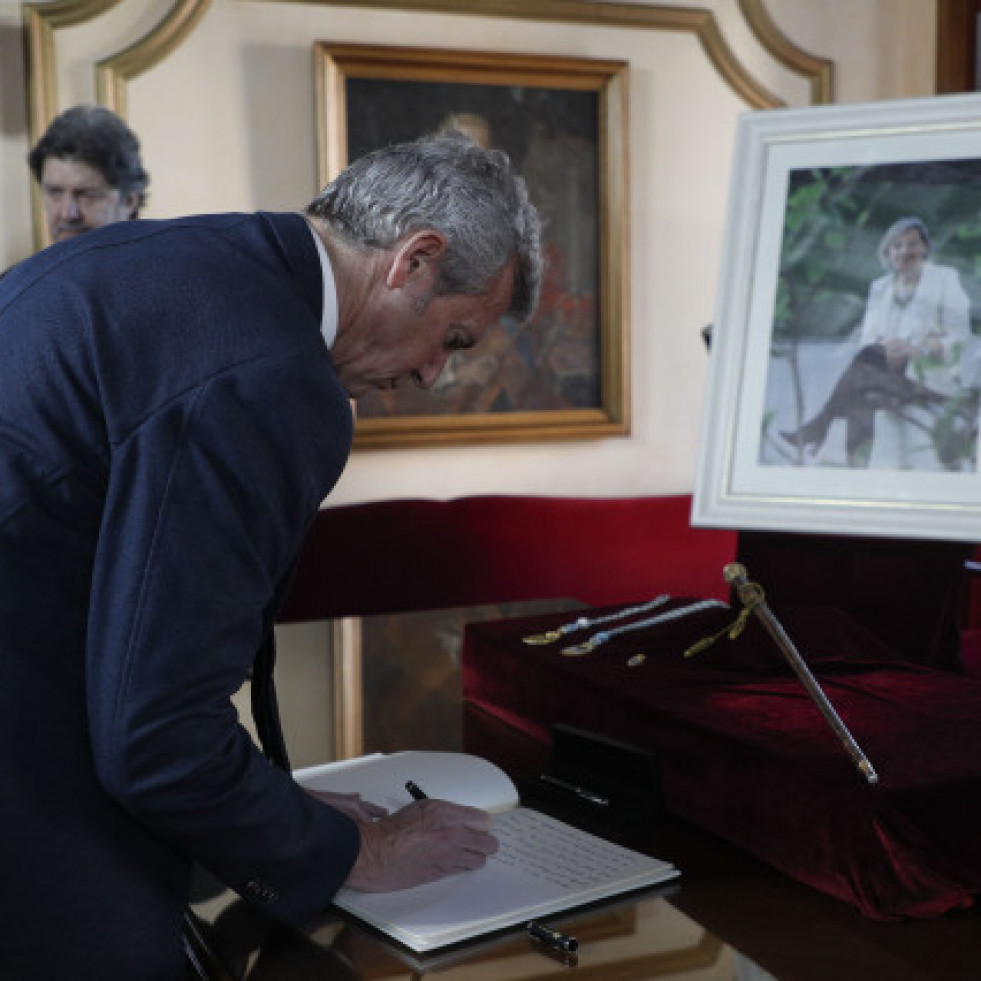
column 552, row 938
column 582, row 792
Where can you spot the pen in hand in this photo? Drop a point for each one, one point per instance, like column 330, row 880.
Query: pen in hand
column 415, row 791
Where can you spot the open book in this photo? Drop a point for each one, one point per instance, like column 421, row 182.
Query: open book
column 544, row 866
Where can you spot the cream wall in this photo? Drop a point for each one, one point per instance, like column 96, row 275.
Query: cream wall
column 227, row 122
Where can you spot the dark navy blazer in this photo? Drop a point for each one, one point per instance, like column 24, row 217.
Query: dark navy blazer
column 169, row 423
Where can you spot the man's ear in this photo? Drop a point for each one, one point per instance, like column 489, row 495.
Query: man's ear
column 416, row 260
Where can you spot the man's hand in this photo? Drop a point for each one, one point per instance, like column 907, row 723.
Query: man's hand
column 421, row 843
column 361, row 811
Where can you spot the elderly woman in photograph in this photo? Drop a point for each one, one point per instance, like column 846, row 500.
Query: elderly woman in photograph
column 917, row 319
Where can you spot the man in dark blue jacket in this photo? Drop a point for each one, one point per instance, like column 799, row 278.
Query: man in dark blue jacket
column 173, row 409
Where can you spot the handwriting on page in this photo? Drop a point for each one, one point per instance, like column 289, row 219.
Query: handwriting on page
column 556, row 853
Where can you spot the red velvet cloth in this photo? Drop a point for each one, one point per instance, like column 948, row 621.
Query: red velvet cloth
column 912, row 594
column 748, row 756
column 406, row 554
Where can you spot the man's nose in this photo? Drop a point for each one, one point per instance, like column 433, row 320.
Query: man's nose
column 69, row 208
column 427, row 374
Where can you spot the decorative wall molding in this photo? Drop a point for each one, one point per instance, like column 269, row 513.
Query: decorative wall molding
column 652, row 17
column 113, row 73
column 820, row 71
column 41, row 20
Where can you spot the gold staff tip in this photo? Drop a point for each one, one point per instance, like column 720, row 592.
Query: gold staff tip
column 868, row 771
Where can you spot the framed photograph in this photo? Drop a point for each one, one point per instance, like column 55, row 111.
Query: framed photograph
column 843, row 390
column 562, row 121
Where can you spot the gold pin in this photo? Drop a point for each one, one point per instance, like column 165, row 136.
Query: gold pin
column 578, row 650
column 546, row 638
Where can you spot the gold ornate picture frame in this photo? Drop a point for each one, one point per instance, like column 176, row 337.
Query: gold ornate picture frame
column 845, row 373
column 563, row 122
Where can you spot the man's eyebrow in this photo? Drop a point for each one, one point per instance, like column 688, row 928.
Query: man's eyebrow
column 87, row 188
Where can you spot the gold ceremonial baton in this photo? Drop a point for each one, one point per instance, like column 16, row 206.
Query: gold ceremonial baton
column 751, row 596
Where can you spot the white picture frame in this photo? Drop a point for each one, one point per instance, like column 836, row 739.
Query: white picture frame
column 813, row 192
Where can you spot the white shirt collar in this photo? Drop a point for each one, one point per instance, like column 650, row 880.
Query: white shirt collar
column 328, row 322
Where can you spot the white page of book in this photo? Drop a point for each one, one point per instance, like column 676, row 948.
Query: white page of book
column 381, row 778
column 543, row 866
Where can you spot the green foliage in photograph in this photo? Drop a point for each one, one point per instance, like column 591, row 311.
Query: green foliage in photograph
column 833, row 223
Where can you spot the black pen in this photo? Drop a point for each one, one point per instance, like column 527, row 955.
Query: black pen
column 552, row 938
column 416, row 792
column 572, row 788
